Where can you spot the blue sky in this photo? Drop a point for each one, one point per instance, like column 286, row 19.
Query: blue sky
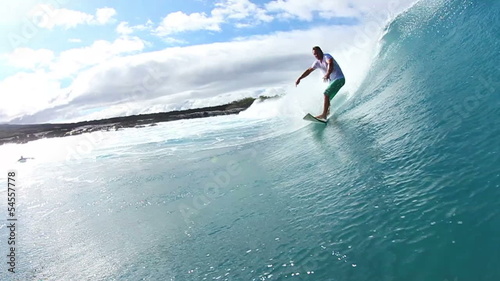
column 63, row 59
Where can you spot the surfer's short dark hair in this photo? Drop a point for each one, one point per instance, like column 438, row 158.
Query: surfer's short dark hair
column 317, row 49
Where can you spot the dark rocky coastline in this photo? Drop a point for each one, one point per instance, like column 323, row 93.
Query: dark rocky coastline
column 25, row 133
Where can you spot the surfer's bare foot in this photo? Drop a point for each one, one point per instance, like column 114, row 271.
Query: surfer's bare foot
column 321, row 116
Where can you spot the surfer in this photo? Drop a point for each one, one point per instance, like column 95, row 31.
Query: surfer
column 333, row 74
column 23, row 159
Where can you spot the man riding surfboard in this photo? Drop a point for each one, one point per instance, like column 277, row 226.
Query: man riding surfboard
column 332, row 73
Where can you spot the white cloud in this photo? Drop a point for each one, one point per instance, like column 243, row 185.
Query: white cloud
column 70, row 62
column 242, row 12
column 327, row 9
column 173, row 41
column 75, row 40
column 14, row 12
column 40, row 89
column 104, row 15
column 307, row 10
column 180, row 22
column 28, row 93
column 46, row 16
column 29, row 58
column 124, row 29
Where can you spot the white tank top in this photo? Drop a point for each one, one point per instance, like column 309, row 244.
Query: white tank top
column 323, row 65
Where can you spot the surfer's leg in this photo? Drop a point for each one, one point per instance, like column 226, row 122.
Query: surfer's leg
column 326, row 108
column 330, row 92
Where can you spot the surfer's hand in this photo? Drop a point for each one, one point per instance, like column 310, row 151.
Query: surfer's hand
column 297, row 82
column 326, row 78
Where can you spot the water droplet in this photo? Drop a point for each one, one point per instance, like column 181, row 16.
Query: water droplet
column 354, row 265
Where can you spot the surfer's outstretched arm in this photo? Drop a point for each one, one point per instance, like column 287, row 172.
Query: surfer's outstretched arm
column 304, row 75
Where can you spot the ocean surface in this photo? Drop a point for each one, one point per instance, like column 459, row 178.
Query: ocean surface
column 403, row 183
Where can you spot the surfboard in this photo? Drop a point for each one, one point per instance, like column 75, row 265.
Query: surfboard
column 311, row 118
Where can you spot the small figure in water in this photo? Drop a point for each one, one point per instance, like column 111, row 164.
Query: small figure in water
column 23, row 159
column 333, row 74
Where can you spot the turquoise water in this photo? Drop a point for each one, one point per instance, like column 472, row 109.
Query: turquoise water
column 401, row 184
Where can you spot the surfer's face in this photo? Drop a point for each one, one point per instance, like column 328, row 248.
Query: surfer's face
column 318, row 54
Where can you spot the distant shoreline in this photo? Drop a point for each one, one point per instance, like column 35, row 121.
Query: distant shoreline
column 26, row 133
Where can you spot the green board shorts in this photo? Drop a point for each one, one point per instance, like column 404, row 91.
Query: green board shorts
column 334, row 87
